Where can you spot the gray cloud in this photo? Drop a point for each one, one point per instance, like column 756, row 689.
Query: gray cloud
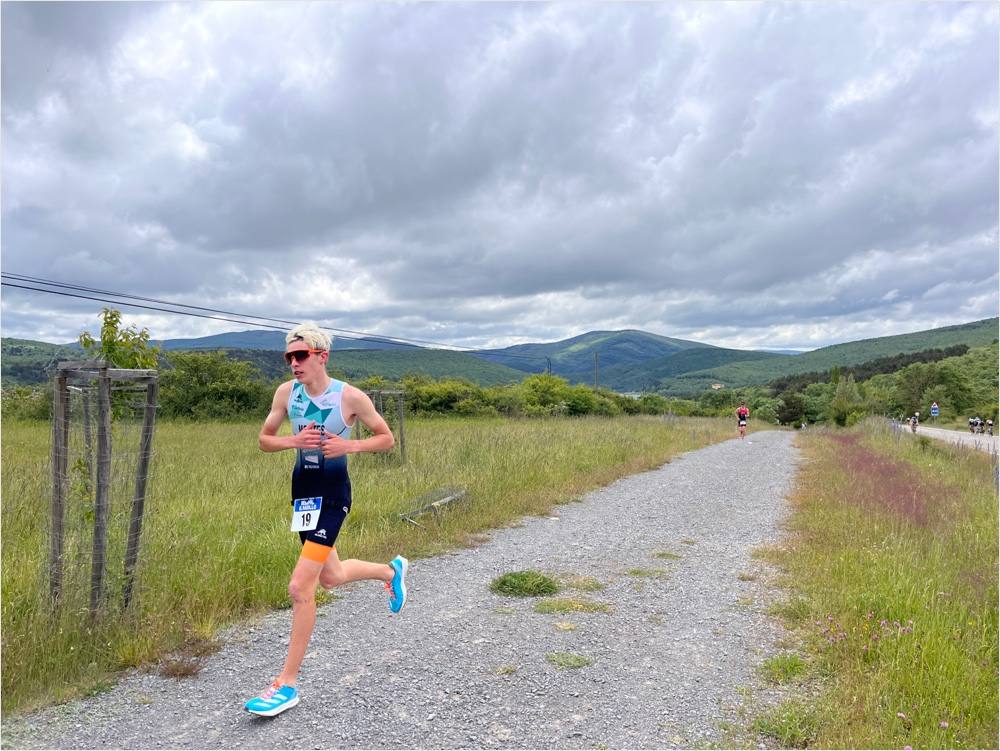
column 748, row 174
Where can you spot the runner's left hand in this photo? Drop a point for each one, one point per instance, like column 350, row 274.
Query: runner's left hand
column 335, row 446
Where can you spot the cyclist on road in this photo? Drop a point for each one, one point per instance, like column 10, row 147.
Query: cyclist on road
column 322, row 412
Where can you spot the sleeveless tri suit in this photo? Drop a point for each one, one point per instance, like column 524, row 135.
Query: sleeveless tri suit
column 315, row 475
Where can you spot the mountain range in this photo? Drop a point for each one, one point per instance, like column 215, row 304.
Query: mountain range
column 627, row 361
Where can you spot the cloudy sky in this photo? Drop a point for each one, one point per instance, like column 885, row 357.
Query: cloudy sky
column 482, row 174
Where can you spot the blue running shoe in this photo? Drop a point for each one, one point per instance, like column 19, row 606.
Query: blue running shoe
column 274, row 701
column 397, row 588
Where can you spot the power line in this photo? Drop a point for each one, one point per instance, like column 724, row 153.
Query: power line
column 342, row 333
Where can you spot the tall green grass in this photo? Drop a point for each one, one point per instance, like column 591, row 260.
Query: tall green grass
column 216, row 545
column 892, row 563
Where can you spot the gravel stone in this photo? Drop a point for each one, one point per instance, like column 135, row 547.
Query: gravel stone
column 666, row 662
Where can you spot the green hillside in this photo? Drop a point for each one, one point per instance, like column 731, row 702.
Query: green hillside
column 268, row 340
column 27, row 363
column 390, row 364
column 573, row 358
column 750, row 373
column 650, row 375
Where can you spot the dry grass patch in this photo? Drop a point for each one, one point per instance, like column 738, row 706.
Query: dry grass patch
column 570, row 605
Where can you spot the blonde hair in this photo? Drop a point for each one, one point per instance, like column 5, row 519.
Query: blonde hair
column 311, row 334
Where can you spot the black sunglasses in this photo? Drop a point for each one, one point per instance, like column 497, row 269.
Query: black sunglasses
column 301, row 355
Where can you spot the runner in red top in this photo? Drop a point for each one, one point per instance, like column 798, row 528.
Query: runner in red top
column 742, row 415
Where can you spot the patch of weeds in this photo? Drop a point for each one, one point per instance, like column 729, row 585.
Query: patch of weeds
column 746, row 576
column 769, row 553
column 187, row 660
column 524, row 584
column 145, row 699
column 180, row 667
column 792, row 724
column 504, row 610
column 744, row 602
column 99, row 687
column 582, row 583
column 657, row 619
column 565, row 626
column 688, row 541
column 506, row 670
column 567, row 660
column 570, row 605
column 667, row 555
column 782, row 668
column 645, row 572
column 795, row 610
column 474, row 540
column 197, row 646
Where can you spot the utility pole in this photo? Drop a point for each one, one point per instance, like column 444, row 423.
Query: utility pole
column 596, row 370
column 548, row 366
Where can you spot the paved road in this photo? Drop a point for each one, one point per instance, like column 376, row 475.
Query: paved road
column 461, row 667
column 981, row 441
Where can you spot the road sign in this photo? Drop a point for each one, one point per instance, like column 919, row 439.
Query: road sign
column 935, row 410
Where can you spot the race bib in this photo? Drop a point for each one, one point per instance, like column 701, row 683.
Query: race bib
column 305, row 513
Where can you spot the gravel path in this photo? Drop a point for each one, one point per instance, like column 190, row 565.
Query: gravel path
column 461, row 667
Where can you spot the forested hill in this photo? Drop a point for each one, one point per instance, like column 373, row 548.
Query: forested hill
column 757, row 372
column 620, row 358
column 391, row 364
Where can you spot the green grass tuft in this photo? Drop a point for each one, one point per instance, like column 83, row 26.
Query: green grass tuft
column 524, row 584
column 645, row 572
column 667, row 555
column 792, row 724
column 568, row 660
column 782, row 668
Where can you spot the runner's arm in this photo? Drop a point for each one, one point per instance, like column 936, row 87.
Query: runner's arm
column 269, row 440
column 360, row 407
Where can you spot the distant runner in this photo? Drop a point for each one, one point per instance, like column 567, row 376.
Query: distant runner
column 742, row 415
column 322, row 412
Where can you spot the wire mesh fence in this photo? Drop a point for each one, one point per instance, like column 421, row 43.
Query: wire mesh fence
column 102, row 429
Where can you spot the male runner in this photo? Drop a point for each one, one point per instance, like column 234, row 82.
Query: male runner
column 742, row 415
column 322, row 412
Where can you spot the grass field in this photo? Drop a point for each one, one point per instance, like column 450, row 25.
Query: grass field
column 892, row 567
column 216, row 546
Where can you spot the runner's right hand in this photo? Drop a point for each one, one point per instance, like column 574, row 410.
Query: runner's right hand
column 309, row 437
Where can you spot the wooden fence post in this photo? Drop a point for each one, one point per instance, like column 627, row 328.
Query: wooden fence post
column 60, row 453
column 402, row 432
column 139, row 500
column 103, row 488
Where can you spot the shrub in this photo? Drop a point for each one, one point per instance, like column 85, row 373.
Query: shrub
column 27, row 403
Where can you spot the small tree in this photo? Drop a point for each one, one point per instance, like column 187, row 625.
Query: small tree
column 121, row 347
column 793, row 408
column 846, row 407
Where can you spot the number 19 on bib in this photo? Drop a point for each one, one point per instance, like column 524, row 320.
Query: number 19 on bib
column 305, row 514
